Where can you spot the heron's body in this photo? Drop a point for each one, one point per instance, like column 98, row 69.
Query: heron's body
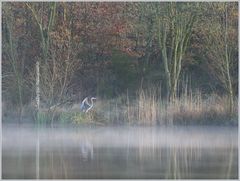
column 85, row 106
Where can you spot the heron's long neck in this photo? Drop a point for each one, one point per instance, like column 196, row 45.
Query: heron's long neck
column 91, row 102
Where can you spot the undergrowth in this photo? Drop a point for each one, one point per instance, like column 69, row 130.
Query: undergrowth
column 147, row 108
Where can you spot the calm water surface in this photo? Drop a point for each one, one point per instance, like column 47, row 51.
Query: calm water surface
column 119, row 152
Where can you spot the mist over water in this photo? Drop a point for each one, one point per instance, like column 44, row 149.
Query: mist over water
column 119, row 152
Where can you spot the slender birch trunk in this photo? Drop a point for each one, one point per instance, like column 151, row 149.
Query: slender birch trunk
column 174, row 33
column 37, row 87
column 227, row 63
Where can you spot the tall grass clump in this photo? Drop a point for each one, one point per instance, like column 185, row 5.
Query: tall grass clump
column 146, row 109
column 189, row 108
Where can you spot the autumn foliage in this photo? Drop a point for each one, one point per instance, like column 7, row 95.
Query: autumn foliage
column 108, row 49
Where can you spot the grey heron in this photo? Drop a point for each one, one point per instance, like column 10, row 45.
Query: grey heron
column 85, row 106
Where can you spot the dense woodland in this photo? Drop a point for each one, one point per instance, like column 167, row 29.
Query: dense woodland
column 146, row 62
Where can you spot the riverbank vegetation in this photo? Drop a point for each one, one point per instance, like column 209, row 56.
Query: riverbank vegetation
column 148, row 63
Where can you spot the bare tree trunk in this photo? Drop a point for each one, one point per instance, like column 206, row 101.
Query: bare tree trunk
column 228, row 76
column 230, row 98
column 178, row 34
column 44, row 38
column 37, row 89
column 16, row 69
column 222, row 54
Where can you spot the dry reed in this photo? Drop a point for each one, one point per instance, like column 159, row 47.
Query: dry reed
column 189, row 108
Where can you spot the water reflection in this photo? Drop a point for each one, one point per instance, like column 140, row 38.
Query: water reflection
column 119, row 152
